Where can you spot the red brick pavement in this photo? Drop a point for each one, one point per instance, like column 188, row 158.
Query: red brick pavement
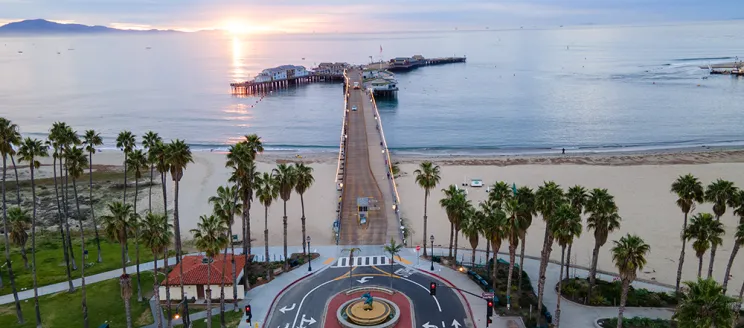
column 399, row 299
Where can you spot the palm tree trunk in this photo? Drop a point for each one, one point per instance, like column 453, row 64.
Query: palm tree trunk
column 521, row 263
column 266, row 242
column 681, row 256
column 92, row 215
column 560, row 287
column 125, row 177
column 232, row 259
column 149, row 197
column 392, row 262
column 61, row 224
column 246, row 241
column 126, row 285
column 512, row 255
column 286, row 261
column 568, row 261
column 452, row 237
column 167, row 288
column 304, row 235
column 19, row 314
column 156, row 289
column 209, row 295
column 728, row 267
column 700, row 266
column 472, row 258
column 593, row 270
column 623, row 299
column 488, row 251
column 24, row 257
column 137, row 242
column 713, row 249
column 18, row 186
column 457, row 237
column 186, row 320
column 351, row 268
column 33, row 248
column 65, row 200
column 84, row 303
column 738, row 307
column 544, row 256
column 426, row 200
column 222, row 288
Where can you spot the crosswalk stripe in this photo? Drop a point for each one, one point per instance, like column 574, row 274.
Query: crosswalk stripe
column 345, row 262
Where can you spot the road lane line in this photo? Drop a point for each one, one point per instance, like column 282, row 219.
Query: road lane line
column 299, row 308
column 328, row 261
column 404, row 261
column 426, row 289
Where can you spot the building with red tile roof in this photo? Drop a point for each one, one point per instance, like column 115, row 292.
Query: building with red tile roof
column 196, row 280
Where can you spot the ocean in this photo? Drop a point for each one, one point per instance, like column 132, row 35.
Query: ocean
column 589, row 88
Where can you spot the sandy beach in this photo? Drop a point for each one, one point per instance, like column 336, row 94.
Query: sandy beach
column 639, row 182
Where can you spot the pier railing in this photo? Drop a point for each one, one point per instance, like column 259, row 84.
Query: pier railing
column 393, row 187
column 339, row 181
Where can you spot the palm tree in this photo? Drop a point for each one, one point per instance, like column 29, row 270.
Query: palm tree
column 495, row 231
column 30, row 151
column 454, row 203
column 721, row 193
column 471, row 228
column 689, row 191
column 286, row 179
column 150, row 141
column 117, row 226
column 19, row 223
column 210, row 238
column 526, row 199
column 485, row 209
column 566, row 226
column 177, row 157
column 351, row 262
column 427, row 177
column 267, row 190
column 156, row 235
column 91, row 140
column 577, row 196
column 603, row 219
column 126, row 142
column 548, row 198
column 500, row 192
column 705, row 305
column 738, row 237
column 449, row 194
column 629, row 256
column 304, row 181
column 69, row 138
column 706, row 232
column 56, row 139
column 512, row 231
column 226, row 207
column 137, row 162
column 8, row 136
column 77, row 162
column 13, row 138
column 393, row 249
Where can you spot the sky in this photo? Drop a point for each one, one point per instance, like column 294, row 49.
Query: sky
column 307, row 16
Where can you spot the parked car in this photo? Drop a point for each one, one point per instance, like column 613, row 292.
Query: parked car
column 356, row 85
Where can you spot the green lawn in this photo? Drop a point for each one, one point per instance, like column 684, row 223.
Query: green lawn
column 51, row 265
column 232, row 319
column 104, row 305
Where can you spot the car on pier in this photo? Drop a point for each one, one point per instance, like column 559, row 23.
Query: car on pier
column 356, row 85
column 354, row 108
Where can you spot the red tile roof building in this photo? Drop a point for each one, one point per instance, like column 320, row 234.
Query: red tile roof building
column 195, row 277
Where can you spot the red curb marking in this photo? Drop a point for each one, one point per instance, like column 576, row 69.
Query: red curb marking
column 472, row 317
column 398, row 298
column 266, row 319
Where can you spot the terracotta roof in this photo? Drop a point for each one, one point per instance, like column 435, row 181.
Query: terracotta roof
column 195, row 272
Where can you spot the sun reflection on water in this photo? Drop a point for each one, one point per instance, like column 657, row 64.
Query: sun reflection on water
column 238, row 73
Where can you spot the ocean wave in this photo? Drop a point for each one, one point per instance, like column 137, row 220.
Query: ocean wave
column 702, row 58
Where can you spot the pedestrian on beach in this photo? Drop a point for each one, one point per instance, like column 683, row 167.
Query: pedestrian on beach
column 564, row 151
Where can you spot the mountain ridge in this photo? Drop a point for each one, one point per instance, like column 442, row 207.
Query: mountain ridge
column 43, row 26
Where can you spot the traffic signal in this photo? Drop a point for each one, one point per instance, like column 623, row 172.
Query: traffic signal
column 489, row 309
column 248, row 313
column 433, row 289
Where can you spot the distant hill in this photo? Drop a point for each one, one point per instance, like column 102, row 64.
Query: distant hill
column 41, row 26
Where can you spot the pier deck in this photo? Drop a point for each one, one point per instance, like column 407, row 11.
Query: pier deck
column 364, row 174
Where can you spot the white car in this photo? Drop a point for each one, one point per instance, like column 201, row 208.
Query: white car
column 476, row 183
column 354, row 108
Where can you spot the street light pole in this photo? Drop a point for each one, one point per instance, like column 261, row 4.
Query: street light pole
column 432, row 252
column 309, row 259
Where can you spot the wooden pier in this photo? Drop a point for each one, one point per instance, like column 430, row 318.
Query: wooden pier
column 252, row 87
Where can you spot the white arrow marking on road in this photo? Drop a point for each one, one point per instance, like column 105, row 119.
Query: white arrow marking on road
column 455, row 323
column 309, row 321
column 427, row 325
column 285, row 326
column 364, row 279
column 285, row 309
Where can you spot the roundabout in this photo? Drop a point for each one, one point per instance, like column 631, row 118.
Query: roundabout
column 368, row 312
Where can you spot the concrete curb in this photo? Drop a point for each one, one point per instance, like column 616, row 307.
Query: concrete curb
column 596, row 323
column 467, row 303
